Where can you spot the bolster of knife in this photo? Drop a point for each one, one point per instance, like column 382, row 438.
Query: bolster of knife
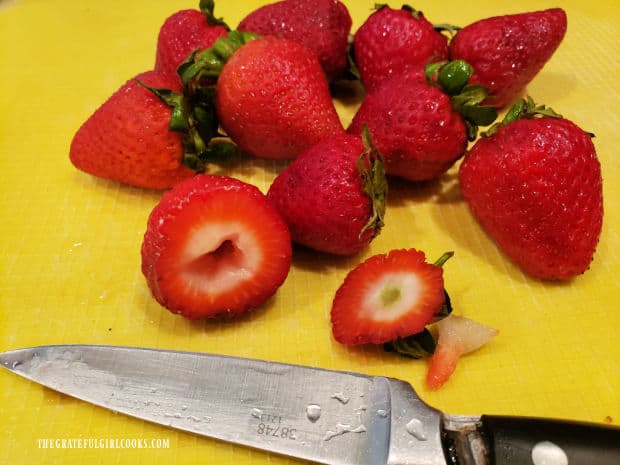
column 536, row 441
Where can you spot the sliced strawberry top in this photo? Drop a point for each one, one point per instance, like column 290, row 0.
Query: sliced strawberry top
column 215, row 247
column 386, row 297
column 457, row 336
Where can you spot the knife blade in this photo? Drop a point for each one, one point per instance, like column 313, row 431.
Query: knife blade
column 323, row 416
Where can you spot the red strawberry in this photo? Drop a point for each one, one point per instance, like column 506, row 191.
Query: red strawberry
column 508, row 51
column 214, row 247
column 456, row 336
column 273, row 100
column 392, row 41
column 535, row 186
column 184, row 32
column 127, row 138
column 386, row 297
column 333, row 195
column 321, row 25
column 419, row 129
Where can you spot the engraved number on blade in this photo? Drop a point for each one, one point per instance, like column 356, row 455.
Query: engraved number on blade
column 270, row 425
column 283, row 432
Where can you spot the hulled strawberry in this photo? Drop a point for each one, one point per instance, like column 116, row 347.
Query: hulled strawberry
column 421, row 128
column 127, row 138
column 456, row 336
column 386, row 297
column 214, row 247
column 321, row 25
column 184, row 32
column 333, row 195
column 535, row 186
column 508, row 51
column 273, row 100
column 392, row 41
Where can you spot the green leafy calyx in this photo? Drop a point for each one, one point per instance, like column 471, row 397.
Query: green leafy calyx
column 523, row 109
column 193, row 110
column 374, row 182
column 416, row 346
column 452, row 77
column 202, row 142
column 209, row 63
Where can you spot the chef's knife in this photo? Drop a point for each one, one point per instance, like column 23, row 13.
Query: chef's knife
column 329, row 417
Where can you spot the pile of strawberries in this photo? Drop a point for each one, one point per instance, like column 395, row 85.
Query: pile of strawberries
column 218, row 247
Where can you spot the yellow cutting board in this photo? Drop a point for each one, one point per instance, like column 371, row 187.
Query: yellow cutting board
column 70, row 263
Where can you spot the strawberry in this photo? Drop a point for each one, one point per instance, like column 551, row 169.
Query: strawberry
column 391, row 41
column 535, row 186
column 333, row 195
column 508, row 51
column 127, row 138
column 422, row 128
column 388, row 296
column 214, row 247
column 456, row 336
column 321, row 25
column 183, row 32
column 273, row 100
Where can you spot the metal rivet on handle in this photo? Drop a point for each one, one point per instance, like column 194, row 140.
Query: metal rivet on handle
column 548, row 453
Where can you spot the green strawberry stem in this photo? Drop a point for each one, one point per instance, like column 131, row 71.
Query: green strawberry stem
column 444, row 258
column 207, row 7
column 452, row 77
column 446, row 308
column 374, row 183
column 522, row 109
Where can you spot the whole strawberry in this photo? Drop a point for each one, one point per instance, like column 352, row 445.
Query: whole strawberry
column 535, row 186
column 333, row 195
column 321, row 25
column 214, row 247
column 272, row 99
column 421, row 128
column 127, row 139
column 391, row 41
column 508, row 51
column 184, row 32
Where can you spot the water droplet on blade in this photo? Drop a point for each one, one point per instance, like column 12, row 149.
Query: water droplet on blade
column 343, row 429
column 340, row 397
column 416, row 429
column 313, row 412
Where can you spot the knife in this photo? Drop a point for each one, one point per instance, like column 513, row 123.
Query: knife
column 323, row 416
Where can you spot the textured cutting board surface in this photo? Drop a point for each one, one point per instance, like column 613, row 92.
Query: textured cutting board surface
column 69, row 248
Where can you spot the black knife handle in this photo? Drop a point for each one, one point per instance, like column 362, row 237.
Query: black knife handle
column 537, row 441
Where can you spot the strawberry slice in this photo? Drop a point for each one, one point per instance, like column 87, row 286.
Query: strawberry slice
column 214, row 247
column 386, row 297
column 456, row 336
